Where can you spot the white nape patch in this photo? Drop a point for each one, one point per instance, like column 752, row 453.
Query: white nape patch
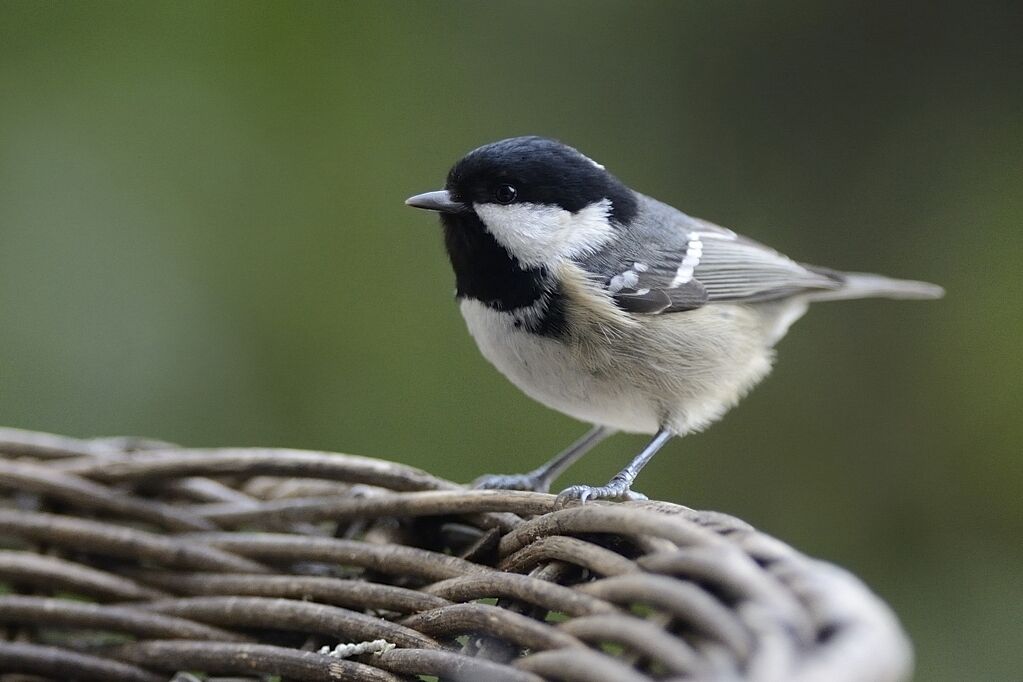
column 600, row 166
column 541, row 235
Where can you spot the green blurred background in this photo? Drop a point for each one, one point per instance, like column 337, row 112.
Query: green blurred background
column 202, row 239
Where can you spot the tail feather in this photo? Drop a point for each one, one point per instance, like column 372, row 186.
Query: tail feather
column 865, row 285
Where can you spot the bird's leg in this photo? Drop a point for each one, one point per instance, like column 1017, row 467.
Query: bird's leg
column 619, row 487
column 540, row 479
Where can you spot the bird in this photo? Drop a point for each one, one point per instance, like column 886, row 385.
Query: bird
column 612, row 307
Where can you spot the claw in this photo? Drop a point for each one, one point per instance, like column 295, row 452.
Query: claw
column 616, row 489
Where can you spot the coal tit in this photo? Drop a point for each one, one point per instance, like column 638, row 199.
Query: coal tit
column 612, row 307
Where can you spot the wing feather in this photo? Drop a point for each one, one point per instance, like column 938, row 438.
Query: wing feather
column 702, row 263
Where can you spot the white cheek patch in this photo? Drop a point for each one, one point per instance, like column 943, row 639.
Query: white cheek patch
column 537, row 234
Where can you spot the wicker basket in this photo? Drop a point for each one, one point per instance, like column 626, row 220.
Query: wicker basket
column 136, row 560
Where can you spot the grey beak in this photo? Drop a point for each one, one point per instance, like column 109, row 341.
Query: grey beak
column 435, row 201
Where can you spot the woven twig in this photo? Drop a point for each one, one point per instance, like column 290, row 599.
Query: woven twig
column 127, row 559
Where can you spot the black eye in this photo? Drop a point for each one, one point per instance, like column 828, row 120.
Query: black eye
column 505, row 194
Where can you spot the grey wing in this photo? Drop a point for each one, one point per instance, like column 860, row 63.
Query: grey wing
column 697, row 262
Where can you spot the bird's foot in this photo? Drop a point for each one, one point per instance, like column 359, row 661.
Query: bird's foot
column 530, row 481
column 616, row 489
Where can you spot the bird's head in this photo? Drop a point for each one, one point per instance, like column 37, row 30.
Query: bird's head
column 541, row 200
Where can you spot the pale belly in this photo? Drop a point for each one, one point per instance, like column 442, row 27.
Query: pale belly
column 680, row 376
column 551, row 374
